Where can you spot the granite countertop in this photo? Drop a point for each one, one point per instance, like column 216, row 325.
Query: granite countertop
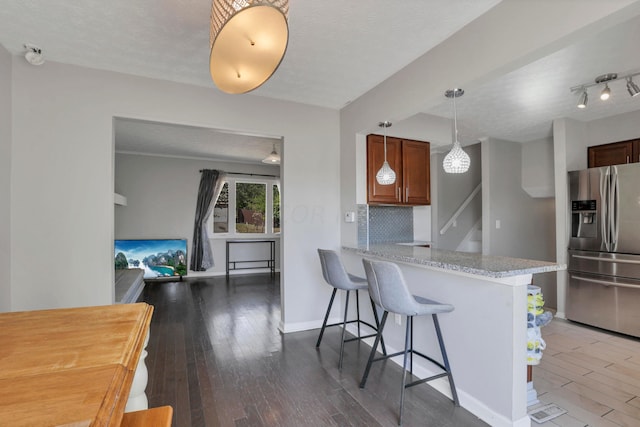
column 465, row 262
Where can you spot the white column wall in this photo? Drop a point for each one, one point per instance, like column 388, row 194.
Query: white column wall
column 5, row 179
column 63, row 163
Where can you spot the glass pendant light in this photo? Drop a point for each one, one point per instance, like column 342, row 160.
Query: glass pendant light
column 386, row 175
column 457, row 161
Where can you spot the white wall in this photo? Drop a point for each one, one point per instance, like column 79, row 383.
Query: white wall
column 5, row 179
column 526, row 223
column 63, row 184
column 161, row 199
column 613, row 129
column 537, row 168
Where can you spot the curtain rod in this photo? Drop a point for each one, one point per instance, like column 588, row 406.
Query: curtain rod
column 248, row 174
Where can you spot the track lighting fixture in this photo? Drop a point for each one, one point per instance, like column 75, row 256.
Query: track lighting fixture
column 605, row 94
column 633, row 88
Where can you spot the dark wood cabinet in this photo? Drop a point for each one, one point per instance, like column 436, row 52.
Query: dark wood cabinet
column 411, row 162
column 616, row 153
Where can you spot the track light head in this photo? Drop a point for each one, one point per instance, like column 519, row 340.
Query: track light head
column 606, row 93
column 582, row 102
column 633, row 88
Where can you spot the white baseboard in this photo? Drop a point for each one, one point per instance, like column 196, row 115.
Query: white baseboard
column 306, row 326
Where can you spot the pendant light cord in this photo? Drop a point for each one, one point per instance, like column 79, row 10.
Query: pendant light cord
column 455, row 118
column 385, row 143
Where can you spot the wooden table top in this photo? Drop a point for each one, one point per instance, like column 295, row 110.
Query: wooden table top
column 71, row 367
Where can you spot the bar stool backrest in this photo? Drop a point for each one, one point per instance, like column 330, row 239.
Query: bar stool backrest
column 388, row 289
column 333, row 270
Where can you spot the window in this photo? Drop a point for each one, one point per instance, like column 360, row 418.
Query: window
column 247, row 207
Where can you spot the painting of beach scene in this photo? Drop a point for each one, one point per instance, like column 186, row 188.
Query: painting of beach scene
column 157, row 257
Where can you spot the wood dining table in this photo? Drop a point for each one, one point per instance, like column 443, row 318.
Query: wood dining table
column 70, row 367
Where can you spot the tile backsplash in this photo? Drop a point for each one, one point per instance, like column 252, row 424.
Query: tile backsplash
column 384, row 224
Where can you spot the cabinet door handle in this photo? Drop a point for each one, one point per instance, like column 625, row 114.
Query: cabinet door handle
column 627, row 159
column 406, row 194
column 399, row 195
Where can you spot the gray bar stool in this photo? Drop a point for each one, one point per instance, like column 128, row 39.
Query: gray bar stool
column 389, row 290
column 335, row 274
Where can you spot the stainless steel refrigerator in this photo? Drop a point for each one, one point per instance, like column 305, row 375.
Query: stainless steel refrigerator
column 604, row 248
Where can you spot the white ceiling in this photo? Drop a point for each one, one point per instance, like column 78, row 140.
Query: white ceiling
column 337, row 51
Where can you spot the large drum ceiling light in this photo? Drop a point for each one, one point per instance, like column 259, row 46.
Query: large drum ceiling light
column 248, row 41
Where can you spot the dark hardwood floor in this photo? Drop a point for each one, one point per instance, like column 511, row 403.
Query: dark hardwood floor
column 217, row 357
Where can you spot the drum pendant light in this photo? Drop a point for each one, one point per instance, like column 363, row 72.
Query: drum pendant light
column 386, row 175
column 457, row 161
column 248, row 41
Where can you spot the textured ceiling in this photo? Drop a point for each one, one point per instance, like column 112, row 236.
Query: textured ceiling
column 520, row 106
column 337, row 51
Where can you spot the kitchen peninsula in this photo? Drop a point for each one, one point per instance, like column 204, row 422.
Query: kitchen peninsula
column 486, row 334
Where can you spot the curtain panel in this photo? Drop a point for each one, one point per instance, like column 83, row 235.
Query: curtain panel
column 210, row 187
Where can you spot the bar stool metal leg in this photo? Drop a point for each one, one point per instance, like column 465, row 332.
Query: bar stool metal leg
column 408, row 352
column 411, row 345
column 373, row 349
column 375, row 318
column 344, row 329
column 326, row 317
column 445, row 359
column 358, row 311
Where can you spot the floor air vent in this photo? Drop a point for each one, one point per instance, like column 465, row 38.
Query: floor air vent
column 546, row 413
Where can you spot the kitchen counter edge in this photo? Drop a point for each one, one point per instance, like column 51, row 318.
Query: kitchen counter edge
column 464, row 262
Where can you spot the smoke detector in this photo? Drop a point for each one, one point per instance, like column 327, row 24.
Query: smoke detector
column 33, row 54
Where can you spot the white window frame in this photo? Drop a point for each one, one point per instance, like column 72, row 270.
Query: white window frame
column 232, row 211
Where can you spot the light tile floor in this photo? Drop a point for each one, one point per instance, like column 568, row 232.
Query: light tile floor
column 593, row 374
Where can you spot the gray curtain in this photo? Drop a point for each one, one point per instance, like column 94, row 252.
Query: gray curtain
column 209, row 190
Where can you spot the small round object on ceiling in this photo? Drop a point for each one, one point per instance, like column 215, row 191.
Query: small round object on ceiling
column 33, row 54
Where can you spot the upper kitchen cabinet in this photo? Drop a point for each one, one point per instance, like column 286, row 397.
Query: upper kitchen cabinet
column 411, row 162
column 616, row 153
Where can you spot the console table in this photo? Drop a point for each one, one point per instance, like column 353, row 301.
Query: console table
column 270, row 262
column 70, row 366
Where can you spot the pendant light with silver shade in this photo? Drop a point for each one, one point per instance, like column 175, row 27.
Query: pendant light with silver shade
column 456, row 161
column 386, row 175
column 273, row 158
column 248, row 40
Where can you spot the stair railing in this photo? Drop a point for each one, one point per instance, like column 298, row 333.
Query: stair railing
column 462, row 207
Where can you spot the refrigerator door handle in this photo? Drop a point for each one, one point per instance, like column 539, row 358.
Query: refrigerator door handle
column 616, row 260
column 614, row 211
column 606, row 282
column 604, row 208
